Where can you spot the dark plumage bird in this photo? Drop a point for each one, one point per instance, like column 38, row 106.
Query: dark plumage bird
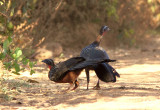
column 69, row 70
column 104, row 71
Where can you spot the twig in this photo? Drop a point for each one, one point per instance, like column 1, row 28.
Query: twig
column 3, row 15
column 59, row 4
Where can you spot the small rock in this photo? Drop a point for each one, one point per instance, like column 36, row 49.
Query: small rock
column 13, row 88
column 19, row 102
column 14, row 98
column 32, row 81
column 122, row 87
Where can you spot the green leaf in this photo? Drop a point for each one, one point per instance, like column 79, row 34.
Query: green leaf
column 7, row 65
column 10, row 26
column 6, row 45
column 9, row 39
column 31, row 72
column 2, row 56
column 14, row 56
column 17, row 67
column 12, row 12
column 17, row 73
column 31, row 64
column 25, row 61
column 17, row 53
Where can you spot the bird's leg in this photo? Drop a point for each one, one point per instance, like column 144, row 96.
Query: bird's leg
column 97, row 87
column 87, row 74
column 76, row 84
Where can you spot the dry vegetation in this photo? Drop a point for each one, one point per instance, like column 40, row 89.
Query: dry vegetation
column 74, row 24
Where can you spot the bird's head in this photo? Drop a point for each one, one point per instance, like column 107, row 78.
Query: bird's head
column 49, row 63
column 103, row 30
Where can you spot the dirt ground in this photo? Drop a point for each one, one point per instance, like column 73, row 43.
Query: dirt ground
column 137, row 88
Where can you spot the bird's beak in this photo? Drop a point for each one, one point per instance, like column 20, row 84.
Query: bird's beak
column 43, row 61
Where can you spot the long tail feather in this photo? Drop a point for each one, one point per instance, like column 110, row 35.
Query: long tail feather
column 105, row 72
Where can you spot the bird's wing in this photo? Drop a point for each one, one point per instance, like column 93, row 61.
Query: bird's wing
column 59, row 70
column 90, row 63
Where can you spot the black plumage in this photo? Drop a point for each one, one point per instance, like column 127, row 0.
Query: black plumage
column 104, row 71
column 69, row 70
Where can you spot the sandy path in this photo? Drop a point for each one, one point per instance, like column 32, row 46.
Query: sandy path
column 138, row 87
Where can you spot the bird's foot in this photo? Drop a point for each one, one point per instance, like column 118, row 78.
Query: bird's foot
column 73, row 89
column 96, row 88
column 76, row 85
column 87, row 89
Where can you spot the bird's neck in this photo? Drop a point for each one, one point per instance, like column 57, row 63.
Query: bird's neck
column 51, row 73
column 49, row 66
column 98, row 40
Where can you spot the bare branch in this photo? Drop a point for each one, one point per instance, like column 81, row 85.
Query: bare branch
column 3, row 14
column 59, row 4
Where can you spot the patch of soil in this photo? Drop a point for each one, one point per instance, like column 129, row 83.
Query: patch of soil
column 137, row 88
